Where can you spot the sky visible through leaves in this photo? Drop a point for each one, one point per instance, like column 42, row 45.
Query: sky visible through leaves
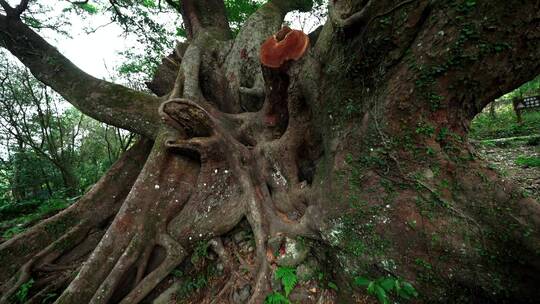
column 97, row 51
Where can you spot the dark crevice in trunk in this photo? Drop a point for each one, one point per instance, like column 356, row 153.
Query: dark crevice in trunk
column 156, row 258
column 125, row 286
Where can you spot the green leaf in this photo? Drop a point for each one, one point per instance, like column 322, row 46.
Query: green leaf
column 32, row 22
column 181, row 32
column 371, row 288
column 288, row 278
column 402, row 294
column 409, row 289
column 361, row 281
column 149, row 3
column 276, row 298
column 22, row 294
column 381, row 294
column 89, row 8
column 332, row 285
column 470, row 3
column 177, row 273
column 388, row 284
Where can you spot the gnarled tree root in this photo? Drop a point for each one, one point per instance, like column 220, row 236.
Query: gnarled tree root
column 46, row 242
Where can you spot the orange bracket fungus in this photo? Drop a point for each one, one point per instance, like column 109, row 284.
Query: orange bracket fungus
column 287, row 44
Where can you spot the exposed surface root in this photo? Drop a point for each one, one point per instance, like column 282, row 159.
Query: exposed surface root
column 44, row 257
column 174, row 256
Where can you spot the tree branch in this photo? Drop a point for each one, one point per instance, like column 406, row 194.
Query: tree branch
column 364, row 16
column 19, row 9
column 7, row 8
column 209, row 15
column 102, row 100
column 14, row 12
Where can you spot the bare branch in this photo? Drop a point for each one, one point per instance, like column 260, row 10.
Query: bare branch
column 19, row 9
column 78, row 2
column 7, row 8
column 364, row 16
column 14, row 12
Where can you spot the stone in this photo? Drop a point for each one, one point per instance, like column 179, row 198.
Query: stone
column 219, row 267
column 307, row 270
column 274, row 243
column 275, row 283
column 241, row 296
column 295, row 253
column 240, row 236
column 428, row 174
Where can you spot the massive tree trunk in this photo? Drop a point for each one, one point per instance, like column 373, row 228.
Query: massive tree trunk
column 358, row 151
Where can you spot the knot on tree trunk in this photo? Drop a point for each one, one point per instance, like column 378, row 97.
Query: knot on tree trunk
column 186, row 116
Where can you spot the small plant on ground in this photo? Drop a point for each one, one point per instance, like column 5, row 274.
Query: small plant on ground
column 384, row 287
column 504, row 124
column 22, row 294
column 526, row 161
column 276, row 298
column 289, row 279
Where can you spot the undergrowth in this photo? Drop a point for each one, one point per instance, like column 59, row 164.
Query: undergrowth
column 15, row 217
column 526, row 161
column 504, row 123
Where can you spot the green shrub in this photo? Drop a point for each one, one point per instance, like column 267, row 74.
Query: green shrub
column 504, row 124
column 384, row 286
column 22, row 294
column 289, row 279
column 276, row 298
column 525, row 161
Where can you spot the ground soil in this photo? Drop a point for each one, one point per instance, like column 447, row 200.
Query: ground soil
column 504, row 160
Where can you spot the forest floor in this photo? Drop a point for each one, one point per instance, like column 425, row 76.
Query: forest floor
column 510, row 147
column 518, row 163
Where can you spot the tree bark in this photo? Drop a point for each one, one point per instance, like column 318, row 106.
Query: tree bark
column 359, row 150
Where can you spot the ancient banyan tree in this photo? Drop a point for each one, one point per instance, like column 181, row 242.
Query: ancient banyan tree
column 346, row 146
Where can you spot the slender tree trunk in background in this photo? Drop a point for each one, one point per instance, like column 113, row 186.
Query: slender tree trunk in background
column 71, row 182
column 17, row 188
column 492, row 109
column 47, row 182
column 368, row 161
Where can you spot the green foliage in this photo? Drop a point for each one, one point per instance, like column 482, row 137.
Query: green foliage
column 50, row 154
column 276, row 298
column 177, row 273
column 200, row 252
column 333, row 286
column 239, row 10
column 528, row 161
column 17, row 215
column 88, row 7
column 149, row 3
column 22, row 294
column 504, row 124
column 382, row 288
column 9, row 233
column 288, row 278
column 49, row 298
column 195, row 282
column 425, row 129
column 527, row 89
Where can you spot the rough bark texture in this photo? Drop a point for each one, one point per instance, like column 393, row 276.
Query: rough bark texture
column 359, row 149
